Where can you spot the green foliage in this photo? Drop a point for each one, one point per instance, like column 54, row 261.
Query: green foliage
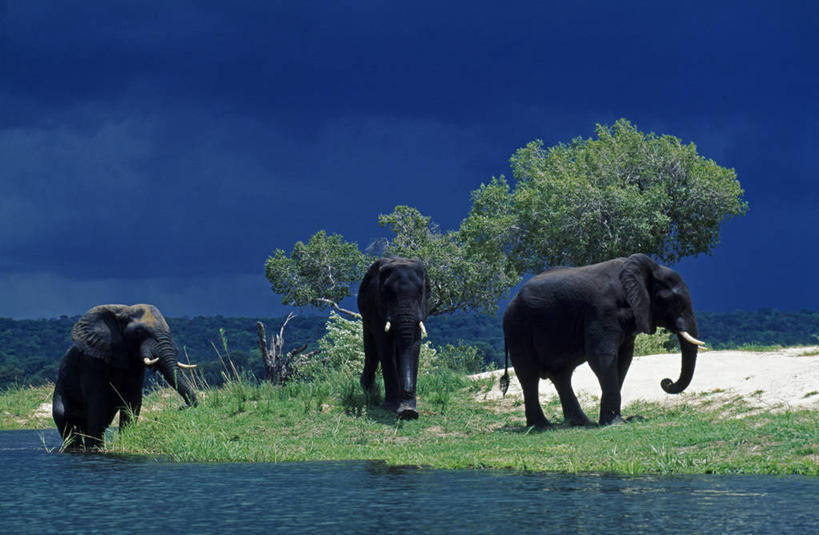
column 30, row 350
column 319, row 271
column 462, row 277
column 462, row 357
column 342, row 348
column 765, row 327
column 482, row 331
column 663, row 341
column 596, row 199
column 342, row 351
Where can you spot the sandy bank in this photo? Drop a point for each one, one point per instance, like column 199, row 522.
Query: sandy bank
column 784, row 378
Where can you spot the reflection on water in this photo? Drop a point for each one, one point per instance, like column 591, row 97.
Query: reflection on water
column 70, row 493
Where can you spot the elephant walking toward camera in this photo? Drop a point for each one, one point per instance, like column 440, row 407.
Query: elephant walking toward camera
column 566, row 316
column 394, row 302
column 103, row 371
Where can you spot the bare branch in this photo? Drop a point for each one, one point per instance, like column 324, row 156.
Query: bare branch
column 338, row 308
column 281, row 367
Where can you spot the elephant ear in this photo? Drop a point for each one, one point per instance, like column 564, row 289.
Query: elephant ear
column 98, row 334
column 635, row 277
column 372, row 273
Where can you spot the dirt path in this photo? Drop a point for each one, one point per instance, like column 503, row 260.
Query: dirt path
column 784, row 378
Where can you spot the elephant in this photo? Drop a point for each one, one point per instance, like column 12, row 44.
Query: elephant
column 102, row 372
column 394, row 302
column 569, row 315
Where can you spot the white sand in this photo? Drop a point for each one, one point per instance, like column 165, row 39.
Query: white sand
column 776, row 379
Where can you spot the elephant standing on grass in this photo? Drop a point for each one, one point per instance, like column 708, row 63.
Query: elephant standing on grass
column 394, row 302
column 103, row 370
column 566, row 316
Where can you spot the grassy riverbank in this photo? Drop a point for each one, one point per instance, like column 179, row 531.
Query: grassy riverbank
column 331, row 420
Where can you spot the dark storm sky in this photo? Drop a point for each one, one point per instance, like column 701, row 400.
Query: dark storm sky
column 158, row 152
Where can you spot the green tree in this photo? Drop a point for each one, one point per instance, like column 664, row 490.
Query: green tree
column 462, row 277
column 318, row 273
column 572, row 204
column 322, row 272
column 596, row 199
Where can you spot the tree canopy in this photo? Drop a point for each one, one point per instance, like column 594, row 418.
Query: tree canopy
column 572, row 204
column 317, row 273
column 323, row 271
column 462, row 277
column 596, row 199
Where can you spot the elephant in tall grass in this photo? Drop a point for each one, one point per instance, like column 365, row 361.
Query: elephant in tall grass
column 102, row 372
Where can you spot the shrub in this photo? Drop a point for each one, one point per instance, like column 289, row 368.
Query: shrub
column 342, row 350
column 462, row 357
column 663, row 341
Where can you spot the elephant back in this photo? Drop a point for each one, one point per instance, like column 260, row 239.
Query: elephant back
column 98, row 334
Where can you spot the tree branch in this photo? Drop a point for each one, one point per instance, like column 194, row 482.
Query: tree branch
column 338, row 308
column 280, row 367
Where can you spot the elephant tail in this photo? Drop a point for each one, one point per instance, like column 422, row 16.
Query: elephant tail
column 504, row 380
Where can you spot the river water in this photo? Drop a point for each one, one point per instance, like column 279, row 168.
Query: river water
column 48, row 492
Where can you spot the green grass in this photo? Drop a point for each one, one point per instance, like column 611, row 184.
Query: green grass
column 331, row 419
column 19, row 407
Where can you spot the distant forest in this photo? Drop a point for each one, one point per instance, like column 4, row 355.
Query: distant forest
column 30, row 350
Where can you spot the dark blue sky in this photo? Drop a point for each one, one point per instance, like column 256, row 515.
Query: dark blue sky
column 158, row 152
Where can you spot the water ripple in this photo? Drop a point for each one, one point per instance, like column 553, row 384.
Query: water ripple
column 92, row 493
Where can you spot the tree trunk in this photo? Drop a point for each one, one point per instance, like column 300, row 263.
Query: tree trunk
column 279, row 366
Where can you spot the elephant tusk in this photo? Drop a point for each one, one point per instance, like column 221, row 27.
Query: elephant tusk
column 150, row 362
column 387, row 327
column 423, row 329
column 690, row 339
column 186, row 366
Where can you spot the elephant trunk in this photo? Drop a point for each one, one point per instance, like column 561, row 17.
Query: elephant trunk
column 407, row 349
column 689, row 359
column 166, row 351
column 407, row 340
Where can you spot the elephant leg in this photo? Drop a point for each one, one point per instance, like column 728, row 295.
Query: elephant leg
column 624, row 356
column 100, row 411
column 572, row 413
column 68, row 406
column 94, row 433
column 389, row 370
column 605, row 368
column 531, row 401
column 129, row 411
column 128, row 415
column 523, row 359
column 60, row 410
column 392, row 399
column 370, row 363
column 602, row 356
